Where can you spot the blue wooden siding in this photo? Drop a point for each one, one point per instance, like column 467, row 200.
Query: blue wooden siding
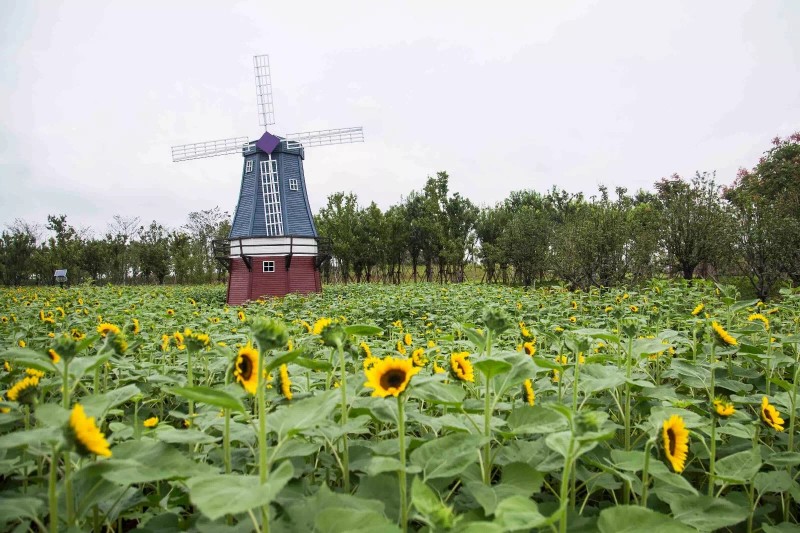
column 243, row 219
column 296, row 211
column 248, row 221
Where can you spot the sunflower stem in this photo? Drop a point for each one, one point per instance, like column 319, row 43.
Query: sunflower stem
column 51, row 491
column 226, row 441
column 136, row 430
column 65, row 385
column 401, row 434
column 68, row 489
column 713, row 447
column 262, row 432
column 190, row 379
column 487, row 418
column 565, row 486
column 645, row 480
column 345, row 446
column 626, row 490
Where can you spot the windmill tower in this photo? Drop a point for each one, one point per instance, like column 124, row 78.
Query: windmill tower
column 273, row 247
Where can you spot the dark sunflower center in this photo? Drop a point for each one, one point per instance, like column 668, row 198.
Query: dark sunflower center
column 245, row 368
column 768, row 416
column 393, row 378
column 460, row 368
column 671, row 441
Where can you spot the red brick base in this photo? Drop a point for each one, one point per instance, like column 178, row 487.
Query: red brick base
column 246, row 285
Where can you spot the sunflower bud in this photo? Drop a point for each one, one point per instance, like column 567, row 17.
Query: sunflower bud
column 333, row 335
column 270, row 334
column 119, row 343
column 65, row 347
column 496, row 319
column 197, row 341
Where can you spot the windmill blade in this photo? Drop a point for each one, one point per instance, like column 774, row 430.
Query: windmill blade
column 266, row 114
column 186, row 152
column 324, row 137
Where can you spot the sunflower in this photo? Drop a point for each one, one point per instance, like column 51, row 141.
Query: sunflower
column 306, row 325
column 151, row 422
column 676, row 442
column 170, row 312
column 574, row 304
column 723, row 408
column 407, row 339
column 530, row 348
column 54, row 357
column 418, row 357
column 241, row 316
column 460, row 366
column 286, row 383
column 246, row 368
column 634, row 308
column 136, row 326
column 527, row 392
column 365, row 350
column 390, row 376
column 23, row 389
column 401, row 347
column 34, row 373
column 106, row 327
column 758, row 316
column 769, row 414
column 77, row 334
column 696, row 311
column 370, row 361
column 21, row 343
column 319, row 325
column 87, row 435
column 723, row 336
column 165, row 342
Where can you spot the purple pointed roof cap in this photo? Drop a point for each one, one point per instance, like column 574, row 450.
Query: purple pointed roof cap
column 268, row 142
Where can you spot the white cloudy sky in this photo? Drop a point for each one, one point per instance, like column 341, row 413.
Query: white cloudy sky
column 503, row 96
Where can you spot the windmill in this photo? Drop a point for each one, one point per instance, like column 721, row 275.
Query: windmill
column 273, row 247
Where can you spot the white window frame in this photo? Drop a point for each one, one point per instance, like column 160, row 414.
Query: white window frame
column 268, row 267
column 294, row 184
column 273, row 218
column 248, row 166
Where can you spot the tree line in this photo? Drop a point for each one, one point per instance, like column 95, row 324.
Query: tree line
column 683, row 227
column 128, row 252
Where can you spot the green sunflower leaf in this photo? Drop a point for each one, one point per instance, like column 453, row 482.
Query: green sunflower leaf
column 218, row 495
column 363, row 330
column 283, row 359
column 209, row 396
column 631, row 518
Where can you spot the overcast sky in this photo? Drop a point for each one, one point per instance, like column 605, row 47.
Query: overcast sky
column 503, row 96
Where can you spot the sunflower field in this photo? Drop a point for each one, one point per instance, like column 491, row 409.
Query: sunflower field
column 478, row 408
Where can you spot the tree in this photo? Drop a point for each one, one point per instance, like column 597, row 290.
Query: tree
column 205, row 227
column 766, row 204
column 693, row 222
column 153, row 254
column 337, row 221
column 16, row 252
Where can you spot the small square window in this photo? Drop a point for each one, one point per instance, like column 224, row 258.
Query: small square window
column 293, row 185
column 249, row 166
column 269, row 266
